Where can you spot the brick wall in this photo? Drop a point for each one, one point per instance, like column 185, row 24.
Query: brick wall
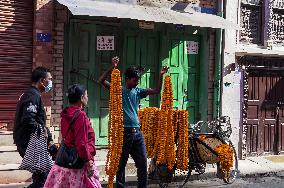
column 50, row 18
column 212, row 41
column 61, row 17
column 43, row 51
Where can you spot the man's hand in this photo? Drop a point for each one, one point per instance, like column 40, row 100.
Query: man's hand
column 115, row 61
column 45, row 134
column 103, row 78
column 164, row 70
column 50, row 144
column 157, row 90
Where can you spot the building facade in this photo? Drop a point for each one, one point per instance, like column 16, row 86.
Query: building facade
column 78, row 46
column 253, row 78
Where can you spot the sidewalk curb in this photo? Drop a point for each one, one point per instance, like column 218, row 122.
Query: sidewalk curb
column 132, row 180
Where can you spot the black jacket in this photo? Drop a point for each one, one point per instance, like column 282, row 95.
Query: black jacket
column 30, row 113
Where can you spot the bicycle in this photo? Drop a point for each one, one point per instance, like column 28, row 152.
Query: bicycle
column 218, row 133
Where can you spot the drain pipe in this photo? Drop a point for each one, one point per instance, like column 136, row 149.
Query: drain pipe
column 218, row 64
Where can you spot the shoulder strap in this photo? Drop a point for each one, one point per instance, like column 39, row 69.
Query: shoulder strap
column 71, row 123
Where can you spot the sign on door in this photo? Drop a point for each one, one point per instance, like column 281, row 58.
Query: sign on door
column 105, row 42
column 191, row 47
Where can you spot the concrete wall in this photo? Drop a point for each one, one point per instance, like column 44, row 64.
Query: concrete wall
column 231, row 97
column 211, row 71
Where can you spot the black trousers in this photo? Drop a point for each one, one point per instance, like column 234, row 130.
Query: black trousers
column 38, row 177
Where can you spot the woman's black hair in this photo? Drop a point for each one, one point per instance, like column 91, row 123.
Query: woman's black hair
column 75, row 93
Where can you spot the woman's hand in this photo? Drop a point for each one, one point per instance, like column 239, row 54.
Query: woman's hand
column 90, row 169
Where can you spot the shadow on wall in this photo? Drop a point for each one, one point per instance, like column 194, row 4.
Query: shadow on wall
column 274, row 96
column 16, row 35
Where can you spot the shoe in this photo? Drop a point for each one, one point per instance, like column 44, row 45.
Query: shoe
column 35, row 185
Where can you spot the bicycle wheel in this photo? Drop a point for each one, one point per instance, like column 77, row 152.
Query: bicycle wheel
column 235, row 170
column 163, row 184
column 165, row 175
column 186, row 179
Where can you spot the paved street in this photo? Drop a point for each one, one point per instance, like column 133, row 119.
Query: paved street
column 266, row 181
column 260, row 182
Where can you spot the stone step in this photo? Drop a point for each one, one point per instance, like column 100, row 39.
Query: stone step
column 10, row 173
column 10, row 161
column 15, row 185
column 6, row 138
column 9, row 155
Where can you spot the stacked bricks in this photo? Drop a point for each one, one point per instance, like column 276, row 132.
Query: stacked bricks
column 43, row 51
column 61, row 18
column 50, row 18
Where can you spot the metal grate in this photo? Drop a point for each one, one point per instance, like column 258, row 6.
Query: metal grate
column 16, row 36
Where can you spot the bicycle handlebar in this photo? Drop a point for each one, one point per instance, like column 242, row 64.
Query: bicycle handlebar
column 215, row 125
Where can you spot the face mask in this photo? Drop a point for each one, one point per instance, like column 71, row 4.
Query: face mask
column 48, row 87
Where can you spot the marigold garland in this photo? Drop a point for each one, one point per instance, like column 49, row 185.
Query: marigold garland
column 167, row 102
column 202, row 137
column 182, row 153
column 161, row 143
column 225, row 156
column 175, row 122
column 166, row 152
column 149, row 124
column 115, row 129
column 162, row 126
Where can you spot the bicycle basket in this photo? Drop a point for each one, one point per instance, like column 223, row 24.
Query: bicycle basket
column 205, row 154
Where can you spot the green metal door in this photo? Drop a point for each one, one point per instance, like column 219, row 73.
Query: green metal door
column 183, row 71
column 135, row 47
column 150, row 51
column 191, row 82
column 141, row 48
column 86, row 64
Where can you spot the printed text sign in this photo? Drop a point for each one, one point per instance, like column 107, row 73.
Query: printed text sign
column 191, row 47
column 105, row 42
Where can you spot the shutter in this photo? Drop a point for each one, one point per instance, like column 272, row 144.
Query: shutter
column 16, row 53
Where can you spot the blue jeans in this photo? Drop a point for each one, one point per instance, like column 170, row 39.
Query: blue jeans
column 133, row 144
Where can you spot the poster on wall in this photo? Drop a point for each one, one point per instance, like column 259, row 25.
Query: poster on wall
column 192, row 47
column 105, row 42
